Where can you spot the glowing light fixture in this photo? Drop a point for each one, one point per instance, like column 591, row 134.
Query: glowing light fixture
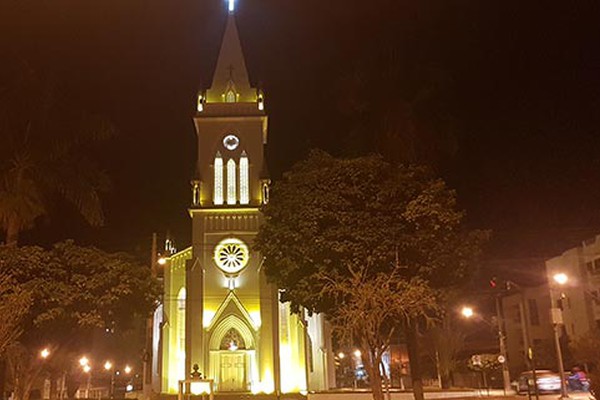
column 127, row 369
column 357, row 353
column 231, row 178
column 233, row 346
column 45, row 353
column 83, row 361
column 87, row 369
column 561, row 278
column 467, row 312
column 244, row 179
column 218, row 187
column 341, row 355
column 162, row 261
column 231, row 6
column 129, row 387
column 108, row 365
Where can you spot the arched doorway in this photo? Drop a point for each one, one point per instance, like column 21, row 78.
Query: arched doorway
column 232, row 356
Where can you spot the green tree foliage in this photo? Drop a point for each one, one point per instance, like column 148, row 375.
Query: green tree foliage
column 329, row 219
column 14, row 304
column 75, row 291
column 332, row 215
column 45, row 154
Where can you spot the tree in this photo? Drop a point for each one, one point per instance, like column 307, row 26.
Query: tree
column 372, row 308
column 75, row 292
column 328, row 217
column 446, row 341
column 45, row 154
column 14, row 304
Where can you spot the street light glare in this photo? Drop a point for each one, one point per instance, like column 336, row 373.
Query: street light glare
column 162, row 261
column 45, row 353
column 357, row 353
column 127, row 369
column 561, row 278
column 467, row 312
column 108, row 365
column 341, row 355
column 87, row 368
column 83, row 361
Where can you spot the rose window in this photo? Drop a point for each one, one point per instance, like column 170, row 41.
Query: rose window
column 231, row 255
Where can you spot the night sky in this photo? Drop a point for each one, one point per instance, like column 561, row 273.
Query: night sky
column 522, row 85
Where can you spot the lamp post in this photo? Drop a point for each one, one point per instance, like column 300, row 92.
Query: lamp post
column 468, row 312
column 84, row 363
column 560, row 279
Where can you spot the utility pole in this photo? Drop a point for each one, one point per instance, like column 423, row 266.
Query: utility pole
column 147, row 371
column 502, row 338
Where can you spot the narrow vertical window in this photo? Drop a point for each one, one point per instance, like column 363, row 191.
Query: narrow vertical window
column 231, row 178
column 244, row 180
column 218, row 189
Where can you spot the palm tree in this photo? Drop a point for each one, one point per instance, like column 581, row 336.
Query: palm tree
column 44, row 155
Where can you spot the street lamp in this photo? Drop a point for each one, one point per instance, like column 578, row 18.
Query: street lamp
column 127, row 369
column 83, row 361
column 45, row 353
column 560, row 279
column 468, row 312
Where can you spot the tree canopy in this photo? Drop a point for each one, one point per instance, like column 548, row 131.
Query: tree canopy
column 46, row 154
column 330, row 215
column 75, row 291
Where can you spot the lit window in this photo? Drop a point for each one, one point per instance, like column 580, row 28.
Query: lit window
column 218, row 189
column 181, row 319
column 230, row 97
column 244, row 180
column 231, row 177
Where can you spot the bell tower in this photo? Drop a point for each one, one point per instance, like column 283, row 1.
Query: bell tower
column 219, row 312
column 232, row 313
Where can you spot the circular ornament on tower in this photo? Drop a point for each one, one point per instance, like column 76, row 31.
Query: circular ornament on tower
column 231, row 255
column 231, row 142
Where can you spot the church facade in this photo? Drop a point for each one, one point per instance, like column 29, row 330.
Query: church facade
column 219, row 311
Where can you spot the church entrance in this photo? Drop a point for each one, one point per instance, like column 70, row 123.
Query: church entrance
column 233, row 360
column 233, row 372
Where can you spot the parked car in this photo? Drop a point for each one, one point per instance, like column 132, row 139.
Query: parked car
column 547, row 381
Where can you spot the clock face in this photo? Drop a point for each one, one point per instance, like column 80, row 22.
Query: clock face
column 231, row 142
column 231, row 255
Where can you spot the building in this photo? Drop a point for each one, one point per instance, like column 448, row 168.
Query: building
column 580, row 306
column 535, row 301
column 219, row 312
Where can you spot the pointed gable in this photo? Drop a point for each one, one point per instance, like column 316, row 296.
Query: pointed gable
column 230, row 79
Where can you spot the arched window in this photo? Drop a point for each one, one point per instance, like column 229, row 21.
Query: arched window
column 218, row 188
column 231, row 178
column 230, row 96
column 232, row 341
column 244, row 180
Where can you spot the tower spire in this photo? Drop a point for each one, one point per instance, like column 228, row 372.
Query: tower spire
column 230, row 80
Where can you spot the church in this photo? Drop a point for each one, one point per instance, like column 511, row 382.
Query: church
column 219, row 312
